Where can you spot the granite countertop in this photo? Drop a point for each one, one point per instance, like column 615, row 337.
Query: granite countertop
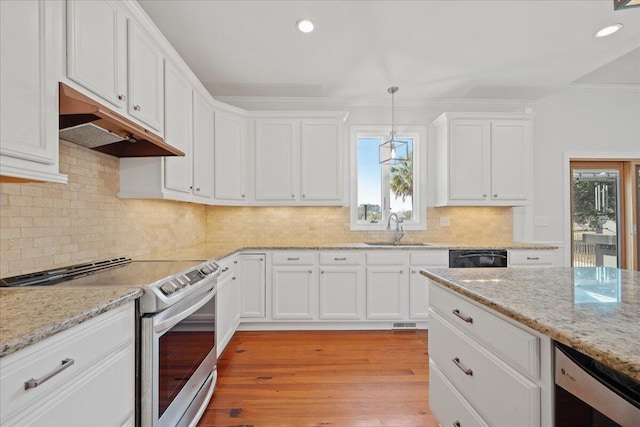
column 219, row 251
column 595, row 310
column 29, row 315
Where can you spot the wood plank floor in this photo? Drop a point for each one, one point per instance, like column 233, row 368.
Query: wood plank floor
column 323, row 378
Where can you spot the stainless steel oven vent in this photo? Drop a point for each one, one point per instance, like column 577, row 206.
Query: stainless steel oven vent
column 89, row 135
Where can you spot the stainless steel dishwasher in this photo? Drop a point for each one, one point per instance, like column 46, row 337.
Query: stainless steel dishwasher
column 589, row 394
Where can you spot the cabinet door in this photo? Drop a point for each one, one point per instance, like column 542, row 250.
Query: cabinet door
column 97, row 49
column 387, row 296
column 342, row 293
column 203, row 122
column 418, row 295
column 224, row 314
column 275, row 155
column 178, row 127
column 252, row 279
column 294, row 293
column 469, row 160
column 145, row 79
column 230, row 157
column 320, row 160
column 28, row 81
column 510, row 159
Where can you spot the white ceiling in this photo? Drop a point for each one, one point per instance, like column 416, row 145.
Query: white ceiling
column 475, row 49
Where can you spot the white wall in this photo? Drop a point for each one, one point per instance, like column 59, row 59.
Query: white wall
column 595, row 122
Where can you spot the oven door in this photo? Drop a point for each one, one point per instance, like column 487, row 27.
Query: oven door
column 178, row 361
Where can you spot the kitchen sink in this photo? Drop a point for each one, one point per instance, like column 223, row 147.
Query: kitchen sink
column 397, row 244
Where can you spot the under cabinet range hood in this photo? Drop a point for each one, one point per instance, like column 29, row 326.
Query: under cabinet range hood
column 86, row 122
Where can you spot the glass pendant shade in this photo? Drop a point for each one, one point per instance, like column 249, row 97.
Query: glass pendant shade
column 393, row 151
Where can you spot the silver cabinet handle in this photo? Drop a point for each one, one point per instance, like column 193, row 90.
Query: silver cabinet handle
column 414, row 271
column 533, row 258
column 401, row 271
column 243, row 196
column 495, row 196
column 122, row 97
column 457, row 424
column 304, row 195
column 310, row 271
column 340, row 259
column 224, row 269
column 293, row 259
column 321, row 271
column 457, row 362
column 293, row 196
column 198, row 189
column 137, row 107
column 463, row 317
column 33, row 383
column 484, row 195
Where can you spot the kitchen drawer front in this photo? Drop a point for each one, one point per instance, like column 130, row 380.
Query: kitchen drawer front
column 517, row 347
column 430, row 258
column 227, row 268
column 88, row 344
column 526, row 258
column 293, row 258
column 447, row 404
column 387, row 258
column 341, row 258
column 502, row 396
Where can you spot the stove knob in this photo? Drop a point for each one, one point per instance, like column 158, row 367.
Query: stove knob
column 168, row 288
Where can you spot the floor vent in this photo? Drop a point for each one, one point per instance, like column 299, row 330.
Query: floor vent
column 404, row 325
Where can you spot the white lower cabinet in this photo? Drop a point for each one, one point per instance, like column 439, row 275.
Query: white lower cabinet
column 387, row 285
column 485, row 369
column 342, row 286
column 97, row 388
column 294, row 287
column 251, row 270
column 227, row 303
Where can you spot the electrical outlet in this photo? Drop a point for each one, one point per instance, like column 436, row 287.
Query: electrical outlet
column 541, row 221
column 444, row 221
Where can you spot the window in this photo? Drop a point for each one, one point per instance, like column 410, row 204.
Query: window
column 378, row 190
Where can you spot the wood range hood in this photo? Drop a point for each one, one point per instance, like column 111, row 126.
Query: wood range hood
column 86, row 122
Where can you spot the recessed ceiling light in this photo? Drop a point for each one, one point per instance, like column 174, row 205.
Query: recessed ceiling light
column 305, row 25
column 608, row 30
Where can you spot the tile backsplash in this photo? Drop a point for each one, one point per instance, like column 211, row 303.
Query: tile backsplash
column 282, row 226
column 46, row 225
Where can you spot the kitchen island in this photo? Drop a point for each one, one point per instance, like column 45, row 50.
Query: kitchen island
column 497, row 326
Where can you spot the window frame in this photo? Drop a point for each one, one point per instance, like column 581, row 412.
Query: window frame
column 419, row 135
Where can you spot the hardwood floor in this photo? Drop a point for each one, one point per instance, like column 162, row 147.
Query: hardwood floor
column 323, row 378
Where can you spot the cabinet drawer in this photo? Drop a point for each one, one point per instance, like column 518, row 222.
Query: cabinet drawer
column 447, row 404
column 501, row 395
column 227, row 268
column 516, row 346
column 293, row 258
column 87, row 344
column 341, row 258
column 387, row 258
column 526, row 258
column 430, row 258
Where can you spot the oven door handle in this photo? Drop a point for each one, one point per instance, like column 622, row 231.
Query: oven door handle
column 160, row 326
column 481, row 255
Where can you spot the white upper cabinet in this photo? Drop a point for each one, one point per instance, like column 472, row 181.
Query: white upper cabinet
column 29, row 59
column 203, row 134
column 230, row 158
column 146, row 94
column 112, row 56
column 276, row 147
column 483, row 159
column 97, row 49
column 320, row 160
column 298, row 158
column 178, row 130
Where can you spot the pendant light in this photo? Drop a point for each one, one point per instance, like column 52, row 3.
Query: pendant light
column 393, row 151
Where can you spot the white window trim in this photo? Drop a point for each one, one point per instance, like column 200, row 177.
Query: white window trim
column 419, row 175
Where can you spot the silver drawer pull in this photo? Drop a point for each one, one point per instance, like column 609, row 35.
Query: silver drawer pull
column 457, row 424
column 463, row 317
column 33, row 383
column 340, row 259
column 225, row 269
column 466, row 371
column 533, row 258
column 293, row 259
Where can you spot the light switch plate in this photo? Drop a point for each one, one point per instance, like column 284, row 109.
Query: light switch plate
column 444, row 221
column 541, row 221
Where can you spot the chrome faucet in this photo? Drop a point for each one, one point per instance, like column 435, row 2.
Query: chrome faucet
column 399, row 230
